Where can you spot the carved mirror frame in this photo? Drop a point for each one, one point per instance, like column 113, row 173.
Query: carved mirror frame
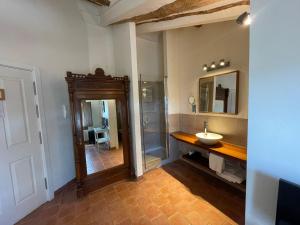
column 98, row 86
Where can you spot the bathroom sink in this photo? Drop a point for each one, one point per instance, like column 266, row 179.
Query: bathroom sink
column 209, row 138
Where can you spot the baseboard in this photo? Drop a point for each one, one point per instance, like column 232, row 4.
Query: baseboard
column 135, row 178
column 65, row 187
column 167, row 161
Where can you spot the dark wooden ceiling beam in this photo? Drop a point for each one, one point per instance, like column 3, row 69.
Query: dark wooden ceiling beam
column 100, row 2
column 203, row 12
column 178, row 6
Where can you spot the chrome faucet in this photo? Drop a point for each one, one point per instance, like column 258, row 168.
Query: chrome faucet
column 205, row 127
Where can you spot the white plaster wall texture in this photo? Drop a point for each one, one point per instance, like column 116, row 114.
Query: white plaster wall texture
column 53, row 36
column 124, row 38
column 273, row 106
column 190, row 48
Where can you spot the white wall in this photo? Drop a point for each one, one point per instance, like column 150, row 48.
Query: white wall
column 113, row 124
column 124, row 37
column 100, row 41
column 96, row 112
column 171, row 70
column 111, row 114
column 150, row 56
column 273, row 105
column 190, row 48
column 53, row 36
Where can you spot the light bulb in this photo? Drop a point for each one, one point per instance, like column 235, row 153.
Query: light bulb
column 222, row 62
column 247, row 20
column 213, row 65
column 205, row 67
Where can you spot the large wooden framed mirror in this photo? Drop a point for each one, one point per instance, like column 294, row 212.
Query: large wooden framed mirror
column 100, row 116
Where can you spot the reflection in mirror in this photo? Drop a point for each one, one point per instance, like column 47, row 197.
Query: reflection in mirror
column 206, row 94
column 102, row 132
column 219, row 93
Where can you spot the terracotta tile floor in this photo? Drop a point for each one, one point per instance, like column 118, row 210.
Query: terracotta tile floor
column 103, row 159
column 173, row 195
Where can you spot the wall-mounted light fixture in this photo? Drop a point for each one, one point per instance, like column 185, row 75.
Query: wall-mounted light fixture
column 215, row 66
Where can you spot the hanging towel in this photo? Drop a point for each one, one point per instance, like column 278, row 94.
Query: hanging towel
column 216, row 163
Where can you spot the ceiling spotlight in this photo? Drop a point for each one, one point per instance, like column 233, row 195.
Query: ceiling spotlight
column 244, row 19
column 213, row 65
column 205, row 67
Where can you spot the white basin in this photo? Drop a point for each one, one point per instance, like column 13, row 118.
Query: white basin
column 209, row 138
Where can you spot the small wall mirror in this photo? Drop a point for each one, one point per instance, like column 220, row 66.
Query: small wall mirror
column 101, row 122
column 219, row 93
column 192, row 100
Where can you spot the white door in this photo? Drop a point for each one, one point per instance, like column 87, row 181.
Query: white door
column 22, row 187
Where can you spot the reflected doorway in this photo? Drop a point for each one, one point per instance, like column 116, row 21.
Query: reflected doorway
column 102, row 133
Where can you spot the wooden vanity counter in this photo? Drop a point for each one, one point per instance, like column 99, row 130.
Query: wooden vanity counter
column 223, row 148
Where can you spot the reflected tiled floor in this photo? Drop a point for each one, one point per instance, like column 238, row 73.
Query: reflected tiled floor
column 98, row 160
column 174, row 194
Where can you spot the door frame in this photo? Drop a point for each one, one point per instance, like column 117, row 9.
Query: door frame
column 49, row 192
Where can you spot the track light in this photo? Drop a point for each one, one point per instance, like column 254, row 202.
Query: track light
column 244, row 19
column 215, row 66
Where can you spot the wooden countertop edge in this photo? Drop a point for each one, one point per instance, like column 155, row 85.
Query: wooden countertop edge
column 224, row 148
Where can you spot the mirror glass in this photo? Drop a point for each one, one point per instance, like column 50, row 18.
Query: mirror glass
column 102, row 132
column 219, row 94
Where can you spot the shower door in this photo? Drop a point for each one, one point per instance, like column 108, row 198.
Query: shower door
column 153, row 107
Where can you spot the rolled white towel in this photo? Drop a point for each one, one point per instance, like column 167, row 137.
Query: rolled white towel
column 216, row 163
column 232, row 177
column 233, row 173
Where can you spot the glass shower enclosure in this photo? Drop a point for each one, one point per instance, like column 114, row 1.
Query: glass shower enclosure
column 154, row 126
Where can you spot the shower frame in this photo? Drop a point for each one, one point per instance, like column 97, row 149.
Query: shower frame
column 166, row 130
